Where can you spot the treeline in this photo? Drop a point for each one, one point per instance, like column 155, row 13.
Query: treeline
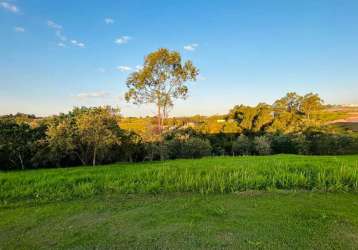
column 90, row 136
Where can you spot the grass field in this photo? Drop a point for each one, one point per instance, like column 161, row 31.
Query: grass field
column 273, row 202
column 208, row 175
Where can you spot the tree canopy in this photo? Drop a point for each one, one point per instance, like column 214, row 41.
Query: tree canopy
column 161, row 80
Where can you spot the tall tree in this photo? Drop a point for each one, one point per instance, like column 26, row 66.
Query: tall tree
column 86, row 132
column 97, row 129
column 17, row 140
column 161, row 80
column 289, row 103
column 311, row 103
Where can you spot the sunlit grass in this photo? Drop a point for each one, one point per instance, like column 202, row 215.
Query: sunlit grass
column 208, row 175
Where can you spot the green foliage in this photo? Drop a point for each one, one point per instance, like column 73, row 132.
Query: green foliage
column 196, row 148
column 293, row 124
column 242, row 146
column 262, row 145
column 17, row 142
column 311, row 103
column 252, row 119
column 283, row 143
column 85, row 132
column 321, row 143
column 161, row 80
column 186, row 143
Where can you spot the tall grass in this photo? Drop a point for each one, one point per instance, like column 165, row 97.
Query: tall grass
column 208, row 175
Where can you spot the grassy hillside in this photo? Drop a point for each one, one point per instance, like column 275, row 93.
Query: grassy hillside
column 208, row 175
column 212, row 203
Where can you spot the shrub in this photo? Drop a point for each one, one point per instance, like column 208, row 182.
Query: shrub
column 242, row 146
column 282, row 143
column 301, row 144
column 196, row 148
column 262, row 145
column 152, row 151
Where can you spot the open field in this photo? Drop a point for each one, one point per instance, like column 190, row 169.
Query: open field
column 249, row 220
column 267, row 202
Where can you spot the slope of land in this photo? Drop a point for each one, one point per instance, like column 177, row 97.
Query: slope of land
column 271, row 202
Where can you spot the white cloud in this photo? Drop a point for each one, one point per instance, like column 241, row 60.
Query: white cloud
column 101, row 70
column 191, row 47
column 77, row 43
column 124, row 68
column 9, row 7
column 54, row 25
column 122, row 40
column 109, row 20
column 63, row 40
column 19, row 29
column 87, row 95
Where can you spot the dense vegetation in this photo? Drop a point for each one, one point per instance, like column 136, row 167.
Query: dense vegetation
column 87, row 136
column 207, row 175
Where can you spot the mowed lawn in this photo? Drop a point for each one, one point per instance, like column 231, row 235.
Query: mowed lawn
column 273, row 202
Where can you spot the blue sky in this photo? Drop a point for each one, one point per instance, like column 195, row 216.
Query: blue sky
column 58, row 54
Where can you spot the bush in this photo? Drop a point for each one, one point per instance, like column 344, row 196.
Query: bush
column 330, row 144
column 196, row 148
column 301, row 144
column 282, row 144
column 262, row 145
column 242, row 146
column 190, row 148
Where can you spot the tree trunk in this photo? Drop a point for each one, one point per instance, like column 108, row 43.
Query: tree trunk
column 80, row 158
column 159, row 120
column 21, row 162
column 130, row 158
column 94, row 156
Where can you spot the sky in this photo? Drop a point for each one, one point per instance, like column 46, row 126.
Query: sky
column 55, row 55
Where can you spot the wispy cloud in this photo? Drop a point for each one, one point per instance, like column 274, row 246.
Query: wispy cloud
column 19, row 29
column 101, row 70
column 109, row 20
column 122, row 40
column 124, row 68
column 91, row 95
column 77, row 43
column 54, row 25
column 63, row 40
column 191, row 47
column 9, row 7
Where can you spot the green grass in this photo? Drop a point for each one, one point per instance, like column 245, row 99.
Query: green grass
column 208, row 175
column 249, row 220
column 272, row 202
